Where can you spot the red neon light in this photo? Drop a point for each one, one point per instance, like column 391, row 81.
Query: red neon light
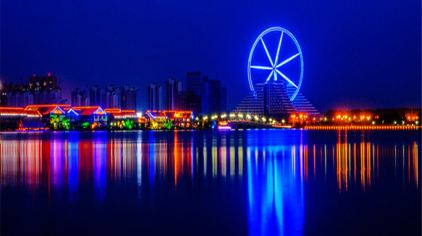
column 11, row 108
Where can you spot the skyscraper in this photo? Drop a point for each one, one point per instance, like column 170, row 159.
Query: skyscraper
column 113, row 97
column 128, row 97
column 204, row 95
column 223, row 99
column 96, row 96
column 194, row 91
column 211, row 98
column 39, row 90
column 79, row 97
column 155, row 97
column 174, row 94
column 194, row 82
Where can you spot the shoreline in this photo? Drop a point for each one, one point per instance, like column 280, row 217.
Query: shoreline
column 311, row 128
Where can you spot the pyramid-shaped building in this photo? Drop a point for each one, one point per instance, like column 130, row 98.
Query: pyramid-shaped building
column 272, row 99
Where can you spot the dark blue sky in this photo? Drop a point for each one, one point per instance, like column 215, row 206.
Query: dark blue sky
column 357, row 53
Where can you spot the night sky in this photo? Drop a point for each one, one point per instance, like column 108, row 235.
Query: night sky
column 357, row 53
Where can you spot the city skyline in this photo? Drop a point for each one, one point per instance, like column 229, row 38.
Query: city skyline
column 210, row 117
column 346, row 65
column 196, row 92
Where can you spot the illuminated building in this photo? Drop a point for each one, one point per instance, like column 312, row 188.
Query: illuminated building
column 169, row 119
column 400, row 116
column 39, row 90
column 53, row 115
column 302, row 105
column 122, row 119
column 271, row 100
column 14, row 118
column 91, row 117
column 275, row 82
column 179, row 118
column 157, row 119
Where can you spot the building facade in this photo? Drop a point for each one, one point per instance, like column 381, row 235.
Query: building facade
column 38, row 90
column 271, row 99
column 155, row 97
column 204, row 95
column 79, row 98
column 174, row 95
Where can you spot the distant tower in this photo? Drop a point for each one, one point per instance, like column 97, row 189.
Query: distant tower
column 204, row 95
column 128, row 97
column 39, row 90
column 174, row 95
column 155, row 97
column 212, row 96
column 96, row 96
column 113, row 97
column 194, row 82
column 79, row 98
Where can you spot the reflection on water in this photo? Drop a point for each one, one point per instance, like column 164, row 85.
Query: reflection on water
column 274, row 166
column 275, row 192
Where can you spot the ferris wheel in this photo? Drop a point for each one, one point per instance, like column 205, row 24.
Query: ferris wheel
column 279, row 65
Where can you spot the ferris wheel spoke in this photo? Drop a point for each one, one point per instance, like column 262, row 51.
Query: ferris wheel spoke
column 278, row 49
column 288, row 60
column 269, row 77
column 266, row 51
column 275, row 76
column 262, row 67
column 286, row 78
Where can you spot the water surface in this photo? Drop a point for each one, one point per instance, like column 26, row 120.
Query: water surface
column 247, row 182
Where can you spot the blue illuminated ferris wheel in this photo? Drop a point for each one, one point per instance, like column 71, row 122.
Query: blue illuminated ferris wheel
column 278, row 63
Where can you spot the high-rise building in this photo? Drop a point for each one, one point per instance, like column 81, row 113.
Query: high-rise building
column 128, row 97
column 223, row 99
column 195, row 83
column 155, row 97
column 79, row 98
column 211, row 99
column 113, row 97
column 45, row 89
column 39, row 90
column 192, row 102
column 204, row 95
column 96, row 96
column 174, row 95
